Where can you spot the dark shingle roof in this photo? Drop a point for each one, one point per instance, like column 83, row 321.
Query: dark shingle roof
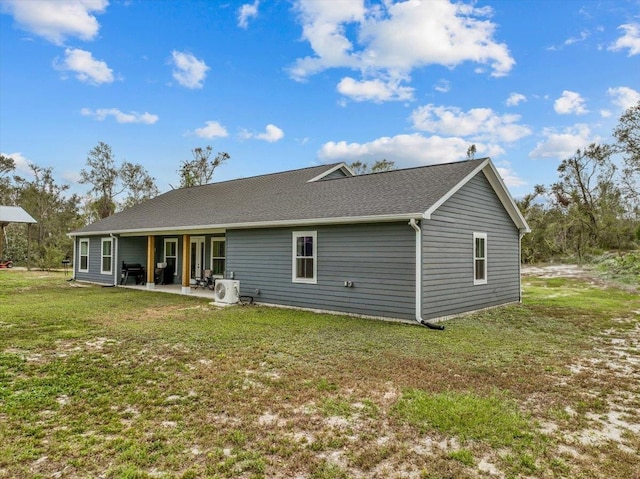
column 288, row 197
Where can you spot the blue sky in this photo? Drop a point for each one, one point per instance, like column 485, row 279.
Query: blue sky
column 285, row 84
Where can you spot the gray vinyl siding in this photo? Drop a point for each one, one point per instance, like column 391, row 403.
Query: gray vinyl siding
column 377, row 258
column 447, row 246
column 95, row 259
column 132, row 250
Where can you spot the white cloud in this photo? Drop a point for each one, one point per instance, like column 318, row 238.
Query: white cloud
column 415, row 150
column 404, row 150
column 510, row 177
column 121, row 117
column 188, row 70
column 570, row 102
column 374, row 90
column 581, row 38
column 57, row 20
column 247, row 11
column 477, row 123
column 443, row 86
column 71, row 177
column 86, row 68
column 212, row 129
column 624, row 97
column 630, row 39
column 515, row 99
column 562, row 145
column 272, row 134
column 440, row 33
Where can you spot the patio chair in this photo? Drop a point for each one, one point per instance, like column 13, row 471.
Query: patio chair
column 205, row 281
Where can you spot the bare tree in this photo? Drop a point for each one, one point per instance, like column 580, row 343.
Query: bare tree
column 199, row 171
column 471, row 152
column 361, row 168
column 109, row 180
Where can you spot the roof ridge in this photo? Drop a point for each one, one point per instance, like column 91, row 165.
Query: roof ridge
column 398, row 170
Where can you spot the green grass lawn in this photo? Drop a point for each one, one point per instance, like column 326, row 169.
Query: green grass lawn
column 116, row 383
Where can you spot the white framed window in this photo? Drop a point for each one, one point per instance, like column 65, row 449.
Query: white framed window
column 171, row 254
column 479, row 258
column 83, row 266
column 106, row 252
column 305, row 264
column 218, row 255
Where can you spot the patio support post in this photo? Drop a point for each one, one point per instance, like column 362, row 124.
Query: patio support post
column 186, row 264
column 151, row 265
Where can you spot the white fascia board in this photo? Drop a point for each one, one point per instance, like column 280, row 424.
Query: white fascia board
column 505, row 197
column 341, row 166
column 498, row 186
column 202, row 229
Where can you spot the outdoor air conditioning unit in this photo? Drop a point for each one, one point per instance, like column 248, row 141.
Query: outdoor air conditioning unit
column 226, row 291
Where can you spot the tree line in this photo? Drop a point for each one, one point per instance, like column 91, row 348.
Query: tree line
column 112, row 186
column 594, row 205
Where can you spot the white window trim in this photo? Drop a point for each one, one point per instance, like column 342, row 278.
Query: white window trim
column 102, row 256
column 294, row 250
column 222, row 240
column 164, row 252
column 482, row 236
column 83, row 240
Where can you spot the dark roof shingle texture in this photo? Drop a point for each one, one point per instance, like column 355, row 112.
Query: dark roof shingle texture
column 288, row 196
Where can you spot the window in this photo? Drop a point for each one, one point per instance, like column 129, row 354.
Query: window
column 218, row 256
column 107, row 256
column 479, row 258
column 84, row 256
column 171, row 254
column 304, row 257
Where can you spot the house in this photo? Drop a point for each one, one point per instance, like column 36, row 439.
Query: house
column 416, row 244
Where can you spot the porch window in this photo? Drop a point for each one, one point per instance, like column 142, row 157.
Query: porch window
column 479, row 258
column 218, row 256
column 305, row 265
column 171, row 254
column 107, row 256
column 83, row 267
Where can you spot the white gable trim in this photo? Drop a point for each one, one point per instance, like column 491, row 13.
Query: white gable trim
column 498, row 186
column 341, row 166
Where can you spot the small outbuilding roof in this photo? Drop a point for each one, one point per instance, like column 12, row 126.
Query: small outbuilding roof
column 14, row 214
column 327, row 194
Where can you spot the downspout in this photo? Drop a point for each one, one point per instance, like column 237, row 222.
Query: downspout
column 75, row 245
column 520, row 236
column 419, row 319
column 115, row 259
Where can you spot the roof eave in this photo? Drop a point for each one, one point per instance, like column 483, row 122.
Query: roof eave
column 252, row 225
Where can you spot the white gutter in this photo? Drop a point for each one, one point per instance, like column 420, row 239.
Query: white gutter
column 250, row 225
column 414, row 225
column 115, row 259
